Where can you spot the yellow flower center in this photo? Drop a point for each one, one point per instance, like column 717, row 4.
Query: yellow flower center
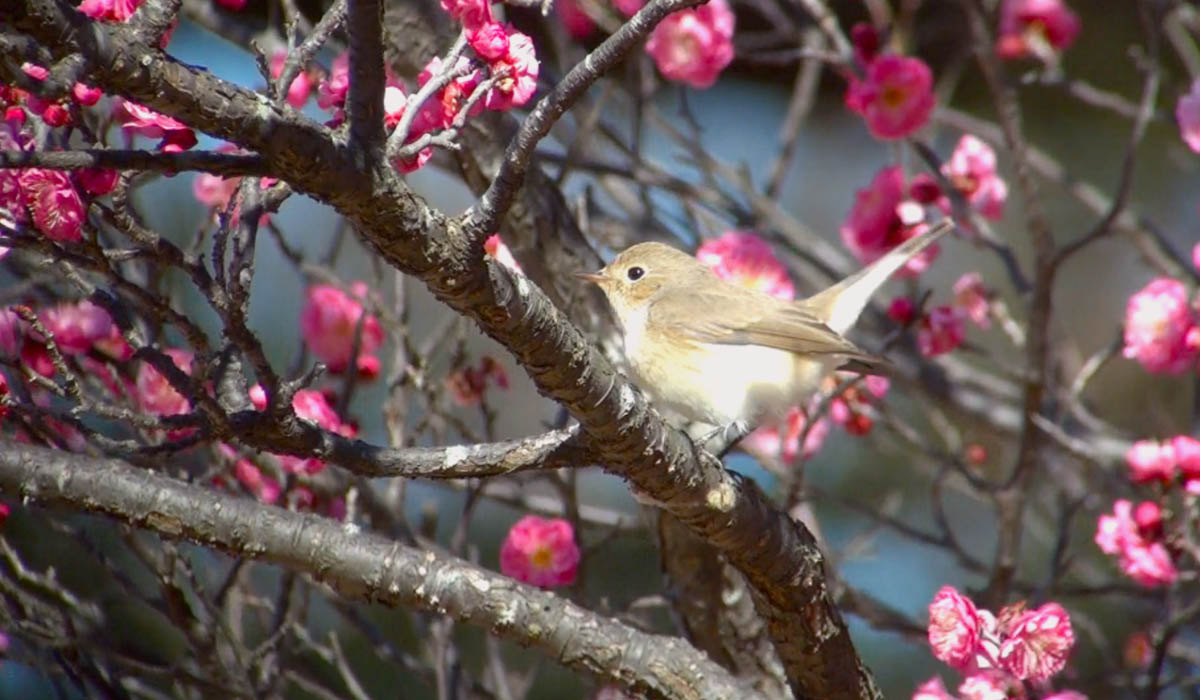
column 542, row 557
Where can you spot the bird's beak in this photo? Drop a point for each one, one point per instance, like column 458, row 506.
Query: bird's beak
column 594, row 277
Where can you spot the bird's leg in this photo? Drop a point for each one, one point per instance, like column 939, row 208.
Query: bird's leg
column 725, row 437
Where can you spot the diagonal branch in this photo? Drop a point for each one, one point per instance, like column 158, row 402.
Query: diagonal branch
column 368, row 567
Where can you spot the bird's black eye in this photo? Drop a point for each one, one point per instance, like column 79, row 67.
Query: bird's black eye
column 635, row 273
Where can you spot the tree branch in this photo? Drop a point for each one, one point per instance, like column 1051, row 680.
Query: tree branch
column 367, row 567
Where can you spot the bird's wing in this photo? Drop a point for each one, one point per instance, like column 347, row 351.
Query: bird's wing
column 737, row 316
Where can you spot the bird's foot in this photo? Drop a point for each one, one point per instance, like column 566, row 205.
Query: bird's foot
column 718, row 442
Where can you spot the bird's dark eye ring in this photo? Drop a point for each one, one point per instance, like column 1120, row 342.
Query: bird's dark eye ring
column 635, row 273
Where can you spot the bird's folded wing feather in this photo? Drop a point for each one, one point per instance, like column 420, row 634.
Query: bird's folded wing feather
column 739, row 317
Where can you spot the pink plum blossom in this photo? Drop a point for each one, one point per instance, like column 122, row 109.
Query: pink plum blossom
column 881, row 218
column 472, row 13
column 1159, row 325
column 517, row 71
column 628, row 8
column 496, row 248
column 540, row 552
column 783, row 441
column 940, row 331
column 1145, row 561
column 693, row 46
column 865, row 39
column 489, row 40
column 301, row 87
column 1028, row 27
column 155, row 393
column 743, row 258
column 109, row 10
column 454, row 96
column 902, row 310
column 972, row 171
column 932, row 689
column 1186, row 450
column 331, row 93
column 86, row 95
column 848, row 409
column 574, row 19
column 77, row 326
column 234, row 5
column 990, row 685
column 329, row 322
column 1187, row 114
column 468, row 385
column 141, row 120
column 954, row 628
column 55, row 206
column 1150, row 460
column 896, row 97
column 1038, row 643
column 973, row 298
column 97, row 181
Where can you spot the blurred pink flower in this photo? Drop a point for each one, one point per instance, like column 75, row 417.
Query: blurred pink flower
column 54, row 204
column 940, row 331
column 1186, row 451
column 1187, row 114
column 848, row 409
column 932, row 689
column 629, row 8
column 743, row 258
column 574, row 19
column 1147, row 562
column 973, row 298
column 865, row 38
column 1150, row 460
column 472, row 13
column 896, row 97
column 138, row 119
column 972, row 171
column 264, row 488
column 1038, row 643
column 155, row 393
column 331, row 93
column 329, row 321
column 954, row 628
column 990, row 685
column 301, row 87
column 1028, row 25
column 1065, row 695
column 693, row 46
column 77, row 326
column 783, row 441
column 234, row 5
column 496, row 248
column 518, row 69
column 881, row 219
column 97, row 181
column 86, row 95
column 540, row 552
column 902, row 310
column 109, row 10
column 468, row 384
column 1158, row 327
column 12, row 333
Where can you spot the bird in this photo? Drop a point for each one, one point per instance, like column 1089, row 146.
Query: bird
column 730, row 356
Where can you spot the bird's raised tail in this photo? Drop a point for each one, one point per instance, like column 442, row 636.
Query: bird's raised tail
column 840, row 305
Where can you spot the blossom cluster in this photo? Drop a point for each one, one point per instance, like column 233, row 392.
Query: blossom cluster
column 509, row 81
column 996, row 653
column 1138, row 535
column 1162, row 327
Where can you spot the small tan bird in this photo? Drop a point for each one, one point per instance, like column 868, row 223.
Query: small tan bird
column 728, row 355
